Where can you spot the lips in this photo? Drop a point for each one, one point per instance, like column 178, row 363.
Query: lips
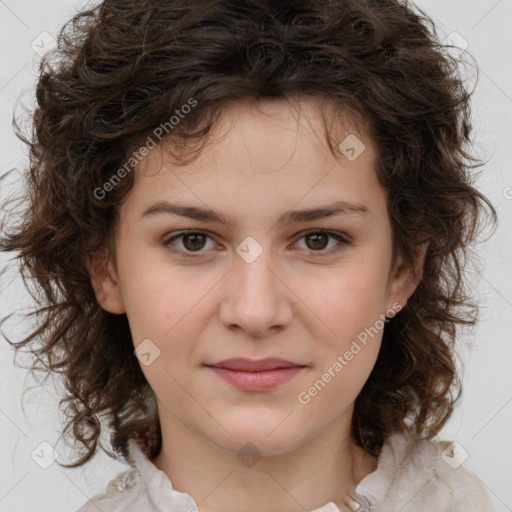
column 252, row 375
column 249, row 365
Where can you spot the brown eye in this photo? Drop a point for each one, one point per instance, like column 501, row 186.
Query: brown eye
column 192, row 241
column 318, row 241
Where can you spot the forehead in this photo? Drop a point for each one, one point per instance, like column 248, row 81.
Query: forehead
column 256, row 123
column 272, row 152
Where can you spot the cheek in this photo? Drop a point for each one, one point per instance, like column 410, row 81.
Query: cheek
column 159, row 298
column 337, row 385
column 347, row 328
column 164, row 309
column 352, row 306
column 346, row 301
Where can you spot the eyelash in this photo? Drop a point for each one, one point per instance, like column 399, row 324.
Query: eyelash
column 320, row 253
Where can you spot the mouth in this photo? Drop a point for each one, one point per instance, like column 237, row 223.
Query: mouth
column 256, row 375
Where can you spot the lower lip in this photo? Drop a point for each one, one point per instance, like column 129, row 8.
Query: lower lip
column 257, row 381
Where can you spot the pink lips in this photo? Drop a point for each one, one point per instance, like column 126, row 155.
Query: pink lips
column 258, row 375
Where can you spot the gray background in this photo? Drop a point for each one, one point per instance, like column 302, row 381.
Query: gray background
column 482, row 423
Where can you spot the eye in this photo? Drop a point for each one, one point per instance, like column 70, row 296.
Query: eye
column 192, row 241
column 317, row 240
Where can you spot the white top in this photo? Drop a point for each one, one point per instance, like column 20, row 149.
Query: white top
column 412, row 476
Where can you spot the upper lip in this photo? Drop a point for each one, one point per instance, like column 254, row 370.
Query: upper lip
column 253, row 365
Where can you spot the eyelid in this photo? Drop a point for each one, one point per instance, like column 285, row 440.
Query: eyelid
column 335, row 234
column 342, row 239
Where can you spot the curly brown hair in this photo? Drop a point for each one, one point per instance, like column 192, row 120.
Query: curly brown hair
column 123, row 67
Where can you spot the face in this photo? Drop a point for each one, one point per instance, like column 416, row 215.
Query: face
column 258, row 280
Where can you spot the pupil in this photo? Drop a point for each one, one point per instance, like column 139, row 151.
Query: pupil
column 194, row 246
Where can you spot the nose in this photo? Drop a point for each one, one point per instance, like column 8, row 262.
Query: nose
column 255, row 297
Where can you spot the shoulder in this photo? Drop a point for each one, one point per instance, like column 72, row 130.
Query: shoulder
column 420, row 475
column 468, row 490
column 123, row 493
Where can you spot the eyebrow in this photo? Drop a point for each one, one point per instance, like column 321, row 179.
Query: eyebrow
column 290, row 217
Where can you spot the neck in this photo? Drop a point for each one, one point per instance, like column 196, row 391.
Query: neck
column 321, row 470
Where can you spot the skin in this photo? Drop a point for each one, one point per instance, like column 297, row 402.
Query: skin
column 291, row 302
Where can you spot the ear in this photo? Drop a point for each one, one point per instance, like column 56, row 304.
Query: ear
column 404, row 279
column 104, row 283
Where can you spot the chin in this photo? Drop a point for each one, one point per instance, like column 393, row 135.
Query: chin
column 264, row 435
column 257, row 446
